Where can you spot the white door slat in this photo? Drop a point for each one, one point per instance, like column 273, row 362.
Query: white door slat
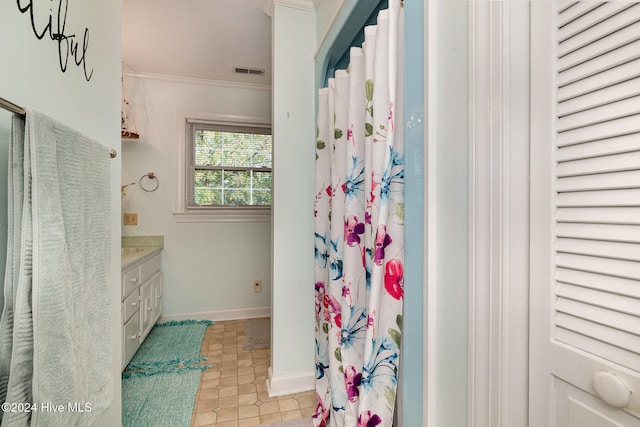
column 563, row 5
column 616, row 285
column 613, row 302
column 605, row 181
column 599, row 215
column 575, row 11
column 605, row 164
column 605, row 232
column 603, row 350
column 604, row 113
column 623, row 126
column 597, row 40
column 599, row 64
column 615, row 337
column 616, row 250
column 613, row 319
column 608, row 267
column 610, row 76
column 600, row 97
column 592, row 23
column 598, row 47
column 603, row 147
column 603, row 198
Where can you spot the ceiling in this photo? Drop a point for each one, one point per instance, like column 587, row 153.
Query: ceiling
column 203, row 39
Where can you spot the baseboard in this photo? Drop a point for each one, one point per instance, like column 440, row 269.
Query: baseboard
column 291, row 383
column 237, row 314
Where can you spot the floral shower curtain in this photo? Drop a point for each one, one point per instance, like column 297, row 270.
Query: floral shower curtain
column 359, row 231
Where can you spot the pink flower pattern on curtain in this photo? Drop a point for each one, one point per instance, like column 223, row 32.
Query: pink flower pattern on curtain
column 359, row 231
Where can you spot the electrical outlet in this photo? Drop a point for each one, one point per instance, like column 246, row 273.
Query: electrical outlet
column 257, row 286
column 131, row 219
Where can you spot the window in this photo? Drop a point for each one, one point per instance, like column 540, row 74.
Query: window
column 227, row 166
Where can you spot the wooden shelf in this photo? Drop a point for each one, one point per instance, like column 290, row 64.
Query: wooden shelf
column 129, row 135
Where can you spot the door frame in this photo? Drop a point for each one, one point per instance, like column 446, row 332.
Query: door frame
column 541, row 101
column 500, row 95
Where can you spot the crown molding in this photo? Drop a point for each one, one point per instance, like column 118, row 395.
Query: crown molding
column 267, row 8
column 308, row 5
column 197, row 81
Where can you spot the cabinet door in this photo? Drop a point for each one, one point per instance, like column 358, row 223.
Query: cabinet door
column 146, row 308
column 157, row 296
column 130, row 342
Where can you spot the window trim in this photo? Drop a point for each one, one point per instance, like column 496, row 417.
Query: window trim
column 187, row 214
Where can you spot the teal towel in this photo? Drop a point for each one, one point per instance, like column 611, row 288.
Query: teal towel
column 58, row 310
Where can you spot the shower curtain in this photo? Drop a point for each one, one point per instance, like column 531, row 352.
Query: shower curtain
column 359, row 231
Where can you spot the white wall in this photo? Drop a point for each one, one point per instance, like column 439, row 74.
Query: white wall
column 293, row 349
column 446, row 183
column 208, row 268
column 325, row 14
column 30, row 75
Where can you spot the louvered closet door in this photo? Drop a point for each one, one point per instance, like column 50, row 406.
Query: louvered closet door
column 590, row 279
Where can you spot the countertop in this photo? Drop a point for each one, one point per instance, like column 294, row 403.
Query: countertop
column 137, row 249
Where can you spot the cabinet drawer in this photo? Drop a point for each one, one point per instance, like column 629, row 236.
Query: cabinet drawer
column 130, row 281
column 149, row 268
column 131, row 305
column 129, row 340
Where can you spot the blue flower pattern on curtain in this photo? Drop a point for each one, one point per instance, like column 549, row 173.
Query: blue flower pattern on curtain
column 359, row 232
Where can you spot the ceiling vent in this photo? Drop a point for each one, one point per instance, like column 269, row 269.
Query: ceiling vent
column 247, row 70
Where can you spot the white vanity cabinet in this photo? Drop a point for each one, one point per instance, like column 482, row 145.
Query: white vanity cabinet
column 141, row 303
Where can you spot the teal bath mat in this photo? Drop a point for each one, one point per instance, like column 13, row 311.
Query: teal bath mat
column 171, row 341
column 164, row 400
column 159, row 386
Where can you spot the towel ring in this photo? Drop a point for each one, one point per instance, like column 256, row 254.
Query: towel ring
column 151, row 177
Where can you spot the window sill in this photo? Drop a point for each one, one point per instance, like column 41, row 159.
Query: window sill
column 225, row 215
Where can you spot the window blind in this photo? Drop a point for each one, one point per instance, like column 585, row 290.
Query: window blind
column 226, row 162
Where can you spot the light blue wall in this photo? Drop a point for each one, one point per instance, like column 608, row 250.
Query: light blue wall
column 294, row 38
column 411, row 385
column 30, row 75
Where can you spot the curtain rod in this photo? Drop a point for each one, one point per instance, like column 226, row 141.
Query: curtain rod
column 16, row 109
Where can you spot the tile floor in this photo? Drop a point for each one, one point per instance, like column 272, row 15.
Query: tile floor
column 234, row 392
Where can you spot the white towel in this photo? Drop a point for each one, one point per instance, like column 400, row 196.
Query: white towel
column 63, row 286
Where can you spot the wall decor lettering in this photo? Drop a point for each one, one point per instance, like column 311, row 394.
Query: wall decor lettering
column 49, row 19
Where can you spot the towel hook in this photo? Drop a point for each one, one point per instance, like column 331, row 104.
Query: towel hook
column 150, row 176
column 123, row 187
